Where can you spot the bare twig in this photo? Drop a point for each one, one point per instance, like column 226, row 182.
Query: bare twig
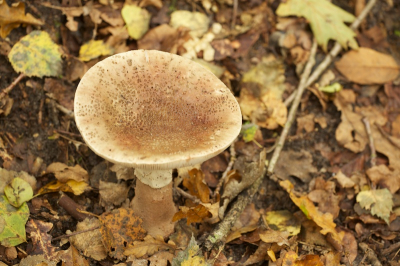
column 371, row 141
column 234, row 13
column 11, row 86
column 333, row 53
column 64, row 110
column 230, row 165
column 187, row 195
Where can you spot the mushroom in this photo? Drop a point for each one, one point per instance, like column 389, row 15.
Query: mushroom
column 155, row 112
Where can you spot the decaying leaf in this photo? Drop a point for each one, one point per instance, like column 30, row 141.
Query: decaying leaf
column 13, row 17
column 196, row 185
column 298, row 164
column 93, row 49
column 113, row 193
column 119, row 228
column 72, row 257
column 148, row 246
column 367, row 66
column 189, row 256
column 36, row 55
column 89, row 242
column 70, row 186
column 196, row 22
column 18, row 192
column 40, row 239
column 193, row 215
column 261, row 94
column 63, row 172
column 379, row 202
column 283, row 221
column 326, row 20
column 137, row 20
column 12, row 223
column 324, row 220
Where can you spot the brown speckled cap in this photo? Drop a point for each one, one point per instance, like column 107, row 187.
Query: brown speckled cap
column 155, row 110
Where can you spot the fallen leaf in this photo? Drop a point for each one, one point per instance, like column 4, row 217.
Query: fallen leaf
column 379, row 202
column 196, row 22
column 89, row 242
column 157, row 38
column 63, row 172
column 113, row 193
column 195, row 214
column 162, row 258
column 212, row 168
column 326, row 20
column 36, row 55
column 238, row 233
column 344, row 181
column 61, row 92
column 305, row 122
column 12, row 223
column 148, row 246
column 367, row 66
column 298, row 164
column 309, row 260
column 283, row 221
column 93, row 49
column 332, row 88
column 272, row 236
column 249, row 131
column 188, row 256
column 12, row 17
column 324, row 193
column 37, row 260
column 123, row 172
column 40, row 239
column 70, row 186
column 119, row 228
column 323, row 220
column 385, row 177
column 137, row 20
column 72, row 257
column 196, row 185
column 18, row 192
column 7, row 176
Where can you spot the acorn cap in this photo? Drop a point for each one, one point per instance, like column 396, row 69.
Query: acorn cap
column 154, row 110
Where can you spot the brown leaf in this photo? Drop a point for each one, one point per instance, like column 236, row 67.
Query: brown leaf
column 193, row 215
column 113, row 193
column 89, row 242
column 366, row 66
column 385, row 177
column 305, row 122
column 161, row 259
column 324, row 195
column 71, row 257
column 119, row 228
column 159, row 38
column 212, row 167
column 272, row 236
column 148, row 246
column 298, row 164
column 13, row 17
column 309, row 260
column 64, row 172
column 196, row 186
column 40, row 239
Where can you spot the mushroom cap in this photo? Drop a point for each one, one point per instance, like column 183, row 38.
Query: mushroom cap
column 155, row 110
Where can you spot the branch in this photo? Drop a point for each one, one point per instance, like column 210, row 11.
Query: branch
column 11, row 86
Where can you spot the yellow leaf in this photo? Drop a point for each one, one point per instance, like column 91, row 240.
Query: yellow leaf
column 137, row 20
column 326, row 20
column 18, row 192
column 379, row 202
column 190, row 256
column 93, row 49
column 36, row 55
column 70, row 186
column 283, row 221
column 12, row 17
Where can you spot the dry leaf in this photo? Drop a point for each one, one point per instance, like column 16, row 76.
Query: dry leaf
column 89, row 242
column 71, row 257
column 283, row 221
column 196, row 185
column 379, row 201
column 137, row 20
column 298, row 164
column 196, row 22
column 40, row 239
column 195, row 214
column 238, row 233
column 70, row 186
column 113, row 193
column 385, row 177
column 366, row 66
column 13, row 17
column 305, row 122
column 148, row 246
column 344, row 181
column 64, row 172
column 272, row 236
column 324, row 193
column 119, row 228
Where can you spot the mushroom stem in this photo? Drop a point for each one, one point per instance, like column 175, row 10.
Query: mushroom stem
column 156, row 208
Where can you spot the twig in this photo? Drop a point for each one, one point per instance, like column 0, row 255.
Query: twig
column 187, row 195
column 64, row 110
column 230, row 165
column 333, row 53
column 371, row 141
column 234, row 13
column 11, row 86
column 292, row 113
column 76, row 233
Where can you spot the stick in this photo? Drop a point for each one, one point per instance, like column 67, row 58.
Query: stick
column 11, row 86
column 333, row 53
column 187, row 195
column 230, row 165
column 371, row 141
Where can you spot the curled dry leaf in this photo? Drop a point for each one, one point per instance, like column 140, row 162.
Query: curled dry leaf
column 63, row 172
column 148, row 246
column 119, row 228
column 366, row 66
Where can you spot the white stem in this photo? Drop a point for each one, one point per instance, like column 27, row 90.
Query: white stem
column 154, row 178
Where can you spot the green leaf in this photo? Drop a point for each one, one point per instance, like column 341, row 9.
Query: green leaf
column 93, row 49
column 335, row 87
column 137, row 20
column 379, row 201
column 12, row 223
column 36, row 55
column 326, row 20
column 249, row 132
column 18, row 192
column 188, row 256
